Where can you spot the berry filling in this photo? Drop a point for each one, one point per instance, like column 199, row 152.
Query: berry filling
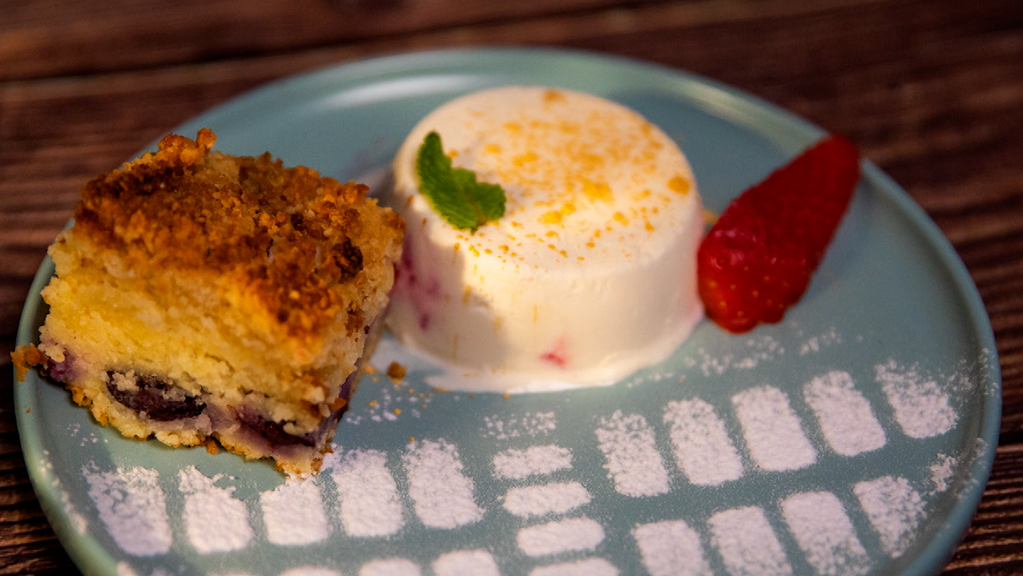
column 274, row 432
column 63, row 371
column 156, row 398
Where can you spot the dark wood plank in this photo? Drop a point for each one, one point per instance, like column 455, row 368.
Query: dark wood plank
column 137, row 34
column 994, row 544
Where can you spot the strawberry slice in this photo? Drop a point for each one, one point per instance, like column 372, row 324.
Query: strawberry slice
column 758, row 258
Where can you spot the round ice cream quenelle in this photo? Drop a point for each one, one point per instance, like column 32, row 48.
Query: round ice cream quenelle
column 588, row 276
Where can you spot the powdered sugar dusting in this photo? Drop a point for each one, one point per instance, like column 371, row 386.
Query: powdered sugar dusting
column 747, row 543
column 969, row 375
column 392, row 399
column 530, row 424
column 632, row 459
column 754, row 351
column 825, row 533
column 77, row 520
column 844, row 414
column 703, row 450
column 310, row 571
column 215, row 521
column 443, row 496
column 466, row 562
column 294, row 515
column 959, row 478
column 921, row 408
column 772, row 430
column 517, row 464
column 895, row 510
column 511, row 473
column 368, row 500
column 555, row 498
column 133, row 509
column 813, row 344
column 942, row 470
column 587, row 567
column 671, row 548
column 390, row 567
column 560, row 536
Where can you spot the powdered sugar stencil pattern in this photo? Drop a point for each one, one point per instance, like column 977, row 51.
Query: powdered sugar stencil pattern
column 679, row 471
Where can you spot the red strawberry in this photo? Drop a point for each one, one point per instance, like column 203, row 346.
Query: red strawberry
column 757, row 260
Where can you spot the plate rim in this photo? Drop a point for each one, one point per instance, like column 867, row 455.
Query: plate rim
column 90, row 556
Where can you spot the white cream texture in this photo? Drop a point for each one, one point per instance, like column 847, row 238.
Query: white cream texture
column 591, row 273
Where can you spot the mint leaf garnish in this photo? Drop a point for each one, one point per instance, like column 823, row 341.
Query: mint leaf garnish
column 454, row 192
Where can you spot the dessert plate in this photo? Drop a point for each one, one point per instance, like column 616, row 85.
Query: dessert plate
column 853, row 438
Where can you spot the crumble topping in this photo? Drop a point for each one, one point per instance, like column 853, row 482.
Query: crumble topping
column 293, row 237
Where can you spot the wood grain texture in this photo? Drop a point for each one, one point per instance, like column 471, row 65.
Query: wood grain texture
column 98, row 37
column 931, row 91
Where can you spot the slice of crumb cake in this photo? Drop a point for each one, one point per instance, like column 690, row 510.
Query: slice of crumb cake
column 201, row 295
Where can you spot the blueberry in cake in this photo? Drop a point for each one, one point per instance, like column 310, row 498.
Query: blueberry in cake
column 203, row 296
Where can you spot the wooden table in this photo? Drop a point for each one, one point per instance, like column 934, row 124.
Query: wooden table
column 931, row 90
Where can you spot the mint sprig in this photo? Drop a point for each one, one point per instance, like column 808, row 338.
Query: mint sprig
column 454, row 192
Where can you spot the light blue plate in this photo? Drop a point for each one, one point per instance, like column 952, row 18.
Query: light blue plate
column 854, row 438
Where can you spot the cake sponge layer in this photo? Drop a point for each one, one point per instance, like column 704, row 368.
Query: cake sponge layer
column 201, row 295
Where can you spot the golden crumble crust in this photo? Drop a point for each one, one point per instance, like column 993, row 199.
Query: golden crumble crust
column 25, row 358
column 299, row 241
